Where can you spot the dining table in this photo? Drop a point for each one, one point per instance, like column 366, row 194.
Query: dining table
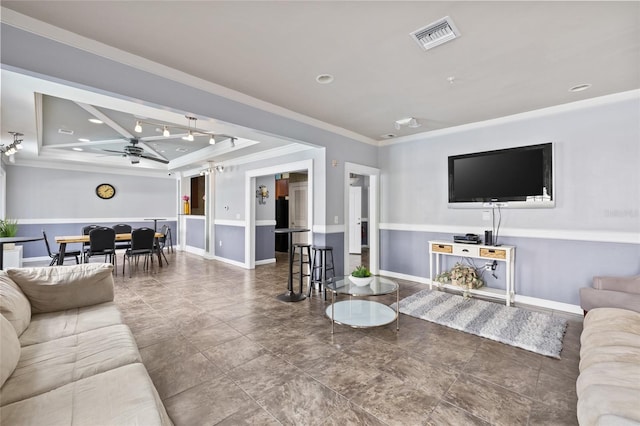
column 70, row 239
column 290, row 295
column 155, row 222
column 4, row 240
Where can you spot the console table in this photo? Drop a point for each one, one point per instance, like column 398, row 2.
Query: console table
column 505, row 254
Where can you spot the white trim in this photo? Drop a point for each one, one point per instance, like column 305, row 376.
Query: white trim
column 194, row 250
column 54, row 221
column 527, row 300
column 195, row 217
column 549, row 234
column 268, row 154
column 229, row 222
column 265, row 261
column 328, row 229
column 60, row 35
column 229, row 261
column 93, row 168
column 556, row 109
column 266, row 222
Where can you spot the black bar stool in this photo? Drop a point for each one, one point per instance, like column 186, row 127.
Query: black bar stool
column 321, row 265
column 303, row 247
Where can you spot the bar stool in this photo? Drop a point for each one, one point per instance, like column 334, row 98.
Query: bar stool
column 303, row 247
column 321, row 265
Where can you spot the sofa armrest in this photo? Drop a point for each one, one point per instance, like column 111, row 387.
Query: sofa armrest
column 624, row 284
column 65, row 287
column 590, row 298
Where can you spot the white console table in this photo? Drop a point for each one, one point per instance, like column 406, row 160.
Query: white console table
column 505, row 254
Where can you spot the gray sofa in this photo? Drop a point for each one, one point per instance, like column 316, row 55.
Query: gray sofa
column 608, row 386
column 66, row 358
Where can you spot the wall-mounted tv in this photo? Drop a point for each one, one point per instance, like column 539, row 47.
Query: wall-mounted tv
column 514, row 177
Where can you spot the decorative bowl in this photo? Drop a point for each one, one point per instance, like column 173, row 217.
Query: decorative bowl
column 360, row 282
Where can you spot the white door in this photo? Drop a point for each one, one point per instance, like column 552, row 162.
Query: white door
column 298, row 210
column 355, row 216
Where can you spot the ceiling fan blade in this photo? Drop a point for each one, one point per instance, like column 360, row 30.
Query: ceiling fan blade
column 159, row 160
column 111, row 150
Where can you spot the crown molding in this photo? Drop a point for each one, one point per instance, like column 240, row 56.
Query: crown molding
column 82, row 167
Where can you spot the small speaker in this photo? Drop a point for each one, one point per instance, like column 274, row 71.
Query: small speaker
column 488, row 238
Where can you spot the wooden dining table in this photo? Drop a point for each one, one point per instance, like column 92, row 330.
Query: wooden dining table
column 69, row 239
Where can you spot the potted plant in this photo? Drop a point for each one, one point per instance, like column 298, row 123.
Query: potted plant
column 361, row 276
column 8, row 228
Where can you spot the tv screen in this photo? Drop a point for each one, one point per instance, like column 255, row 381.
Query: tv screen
column 515, row 174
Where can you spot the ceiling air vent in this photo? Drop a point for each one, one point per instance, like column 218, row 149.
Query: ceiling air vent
column 65, row 131
column 436, row 33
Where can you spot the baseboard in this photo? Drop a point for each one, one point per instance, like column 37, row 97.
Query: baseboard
column 527, row 300
column 265, row 261
column 230, row 262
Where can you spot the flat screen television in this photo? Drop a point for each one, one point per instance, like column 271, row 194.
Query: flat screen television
column 514, row 177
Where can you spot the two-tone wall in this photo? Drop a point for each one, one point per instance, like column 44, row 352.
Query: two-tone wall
column 594, row 228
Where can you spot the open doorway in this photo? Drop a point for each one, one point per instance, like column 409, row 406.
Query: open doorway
column 361, row 238
column 291, row 206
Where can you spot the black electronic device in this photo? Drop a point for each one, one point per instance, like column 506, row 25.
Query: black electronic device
column 467, row 239
column 518, row 174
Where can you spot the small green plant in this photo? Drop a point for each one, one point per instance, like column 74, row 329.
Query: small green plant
column 361, row 272
column 8, row 228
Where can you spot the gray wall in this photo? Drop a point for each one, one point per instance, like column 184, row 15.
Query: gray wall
column 597, row 181
column 232, row 238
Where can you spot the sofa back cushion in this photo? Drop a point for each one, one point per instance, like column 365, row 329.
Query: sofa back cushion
column 14, row 305
column 65, row 287
column 10, row 349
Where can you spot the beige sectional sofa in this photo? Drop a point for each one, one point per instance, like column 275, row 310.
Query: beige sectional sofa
column 66, row 358
column 608, row 386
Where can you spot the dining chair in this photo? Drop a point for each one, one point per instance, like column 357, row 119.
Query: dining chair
column 162, row 241
column 85, row 231
column 55, row 256
column 102, row 242
column 142, row 244
column 122, row 228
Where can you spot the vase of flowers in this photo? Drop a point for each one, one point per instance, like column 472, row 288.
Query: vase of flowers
column 185, row 199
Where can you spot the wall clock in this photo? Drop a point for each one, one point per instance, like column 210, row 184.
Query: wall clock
column 105, row 191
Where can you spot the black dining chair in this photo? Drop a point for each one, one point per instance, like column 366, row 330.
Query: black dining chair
column 142, row 244
column 85, row 231
column 122, row 228
column 102, row 242
column 162, row 241
column 55, row 256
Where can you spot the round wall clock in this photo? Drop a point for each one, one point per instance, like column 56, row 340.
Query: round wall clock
column 105, row 191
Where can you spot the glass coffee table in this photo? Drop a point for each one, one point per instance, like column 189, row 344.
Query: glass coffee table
column 362, row 313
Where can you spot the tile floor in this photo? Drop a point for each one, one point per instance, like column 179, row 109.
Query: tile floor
column 222, row 350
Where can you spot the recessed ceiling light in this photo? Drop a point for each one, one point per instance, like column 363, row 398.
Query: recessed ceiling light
column 84, row 140
column 182, row 150
column 324, row 78
column 388, row 136
column 95, row 121
column 580, row 87
column 77, row 149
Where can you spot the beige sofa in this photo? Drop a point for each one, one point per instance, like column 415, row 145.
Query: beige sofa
column 612, row 292
column 608, row 386
column 66, row 358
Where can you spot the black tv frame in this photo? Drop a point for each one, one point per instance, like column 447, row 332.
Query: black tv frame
column 532, row 201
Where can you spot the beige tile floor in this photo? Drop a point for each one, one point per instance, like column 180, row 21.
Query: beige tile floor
column 222, row 350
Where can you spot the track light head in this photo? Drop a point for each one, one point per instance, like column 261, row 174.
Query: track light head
column 165, row 132
column 138, row 127
column 212, row 140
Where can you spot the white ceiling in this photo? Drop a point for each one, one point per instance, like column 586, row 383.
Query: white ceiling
column 511, row 57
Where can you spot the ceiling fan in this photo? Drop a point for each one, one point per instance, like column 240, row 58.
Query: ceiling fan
column 135, row 153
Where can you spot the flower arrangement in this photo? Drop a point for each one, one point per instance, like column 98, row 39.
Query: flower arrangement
column 185, row 198
column 465, row 276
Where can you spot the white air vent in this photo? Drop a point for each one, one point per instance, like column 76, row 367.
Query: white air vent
column 65, row 131
column 436, row 33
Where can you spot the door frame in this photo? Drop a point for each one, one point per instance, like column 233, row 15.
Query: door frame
column 374, row 212
column 250, row 203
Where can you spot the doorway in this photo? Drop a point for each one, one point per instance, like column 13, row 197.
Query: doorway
column 361, row 213
column 291, row 207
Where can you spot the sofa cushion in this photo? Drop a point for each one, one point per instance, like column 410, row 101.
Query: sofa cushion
column 14, row 305
column 608, row 405
column 65, row 287
column 598, row 354
column 623, row 375
column 9, row 349
column 50, row 326
column 46, row 366
column 123, row 396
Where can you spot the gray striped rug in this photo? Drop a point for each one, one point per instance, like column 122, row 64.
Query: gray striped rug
column 534, row 331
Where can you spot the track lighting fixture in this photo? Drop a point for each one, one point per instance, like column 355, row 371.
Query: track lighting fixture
column 165, row 132
column 138, row 127
column 212, row 141
column 188, row 137
column 191, row 131
column 14, row 147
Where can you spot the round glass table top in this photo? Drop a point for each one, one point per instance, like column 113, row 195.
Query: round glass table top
column 377, row 286
column 361, row 313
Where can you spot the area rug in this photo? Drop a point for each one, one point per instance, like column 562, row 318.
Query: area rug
column 534, row 331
